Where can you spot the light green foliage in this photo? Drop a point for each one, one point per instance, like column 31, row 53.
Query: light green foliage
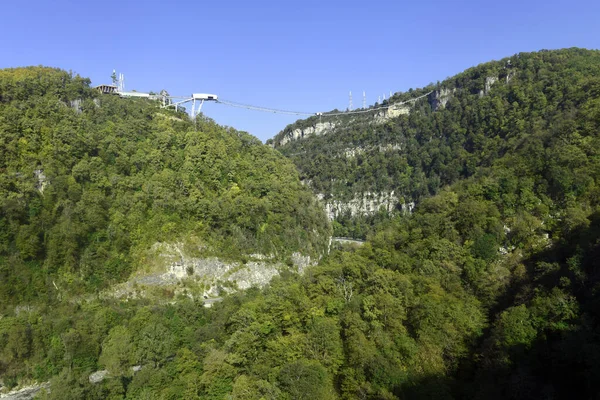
column 117, row 352
column 517, row 327
column 15, row 339
column 246, row 388
column 303, row 380
column 148, row 383
column 323, row 343
column 88, row 183
column 66, row 386
column 217, row 378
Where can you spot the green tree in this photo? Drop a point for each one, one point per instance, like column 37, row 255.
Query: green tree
column 117, row 352
column 304, row 380
column 154, row 344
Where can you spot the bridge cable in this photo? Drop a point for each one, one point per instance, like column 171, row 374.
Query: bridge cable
column 325, row 114
column 259, row 108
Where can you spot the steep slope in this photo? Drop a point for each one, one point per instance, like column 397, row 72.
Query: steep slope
column 487, row 290
column 392, row 158
column 90, row 184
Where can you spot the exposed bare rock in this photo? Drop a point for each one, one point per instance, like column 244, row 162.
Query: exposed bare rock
column 320, row 128
column 440, row 98
column 393, row 111
column 489, row 81
column 98, row 376
column 217, row 277
column 365, row 204
column 42, row 182
column 25, row 393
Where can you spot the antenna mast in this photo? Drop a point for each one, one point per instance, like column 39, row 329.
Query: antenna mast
column 364, row 99
column 121, row 83
column 350, row 103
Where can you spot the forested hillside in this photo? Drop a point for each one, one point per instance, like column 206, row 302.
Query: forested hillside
column 89, row 183
column 467, row 122
column 487, row 290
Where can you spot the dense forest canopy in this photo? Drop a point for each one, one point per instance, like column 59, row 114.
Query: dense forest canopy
column 488, row 290
column 489, row 112
column 89, row 183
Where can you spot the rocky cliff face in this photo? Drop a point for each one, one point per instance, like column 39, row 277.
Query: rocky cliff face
column 24, row 393
column 393, row 111
column 361, row 136
column 364, row 204
column 211, row 277
column 440, row 98
column 322, row 128
column 319, row 128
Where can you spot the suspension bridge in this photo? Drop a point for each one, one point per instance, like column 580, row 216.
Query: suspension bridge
column 197, row 100
column 324, row 114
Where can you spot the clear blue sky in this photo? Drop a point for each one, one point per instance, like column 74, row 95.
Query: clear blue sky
column 298, row 55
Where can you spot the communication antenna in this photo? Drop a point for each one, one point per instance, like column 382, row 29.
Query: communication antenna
column 364, row 99
column 121, row 87
column 379, row 99
column 350, row 102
